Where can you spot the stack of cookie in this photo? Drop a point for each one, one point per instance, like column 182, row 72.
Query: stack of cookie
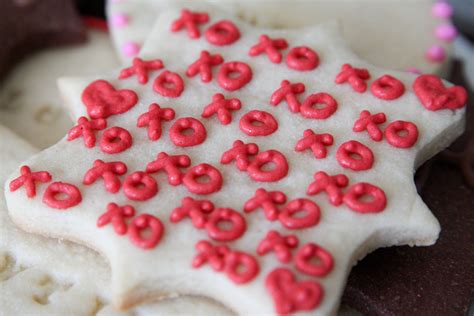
column 236, row 158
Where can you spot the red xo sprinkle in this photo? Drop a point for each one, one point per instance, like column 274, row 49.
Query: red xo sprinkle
column 197, row 210
column 394, row 138
column 115, row 140
column 86, row 128
column 288, row 92
column 239, row 266
column 356, row 77
column 240, row 152
column 180, row 139
column 354, row 155
column 190, row 21
column 279, row 171
column 116, row 215
column 102, row 100
column 214, row 255
column 289, row 295
column 153, row 118
column 258, row 123
column 171, row 165
column 330, row 184
column 203, row 66
column 222, row 107
column 311, row 217
column 269, row 46
column 108, row 171
column 268, row 201
column 211, row 176
column 145, row 222
column 353, row 198
column 281, row 245
column 222, row 215
column 368, row 122
column 302, row 58
column 316, row 142
column 222, row 33
column 434, row 96
column 72, row 193
column 234, row 75
column 139, row 186
column 308, row 109
column 306, row 256
column 28, row 179
column 169, row 84
column 140, row 68
column 387, row 88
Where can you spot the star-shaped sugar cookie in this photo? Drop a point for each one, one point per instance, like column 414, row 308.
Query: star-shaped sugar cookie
column 372, row 28
column 251, row 166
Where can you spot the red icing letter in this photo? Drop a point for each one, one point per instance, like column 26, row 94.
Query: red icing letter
column 116, row 215
column 311, row 218
column 115, row 140
column 369, row 123
column 240, row 152
column 197, row 210
column 28, row 179
column 387, row 88
column 169, row 84
column 308, row 109
column 212, row 179
column 171, row 165
column 316, row 142
column 281, row 245
column 234, row 75
column 269, row 46
column 356, row 77
column 153, row 119
column 393, row 130
column 140, row 186
column 302, row 58
column 288, row 92
column 180, row 139
column 377, row 202
column 220, row 215
column 279, row 171
column 258, row 123
column 109, row 171
column 268, row 201
column 222, row 107
column 73, row 195
column 363, row 160
column 140, row 68
column 330, row 184
column 143, row 222
column 86, row 128
column 222, row 33
column 305, row 257
column 204, row 66
column 190, row 21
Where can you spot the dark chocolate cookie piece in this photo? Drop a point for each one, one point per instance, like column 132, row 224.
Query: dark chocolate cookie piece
column 436, row 280
column 29, row 25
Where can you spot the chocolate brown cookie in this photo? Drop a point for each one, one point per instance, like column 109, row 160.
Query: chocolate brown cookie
column 29, row 25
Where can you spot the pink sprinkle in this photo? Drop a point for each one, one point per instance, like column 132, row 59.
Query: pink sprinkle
column 442, row 9
column 436, row 53
column 119, row 20
column 130, row 49
column 414, row 70
column 446, row 32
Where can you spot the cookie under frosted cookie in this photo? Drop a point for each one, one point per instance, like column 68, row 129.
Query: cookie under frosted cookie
column 405, row 35
column 136, row 159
